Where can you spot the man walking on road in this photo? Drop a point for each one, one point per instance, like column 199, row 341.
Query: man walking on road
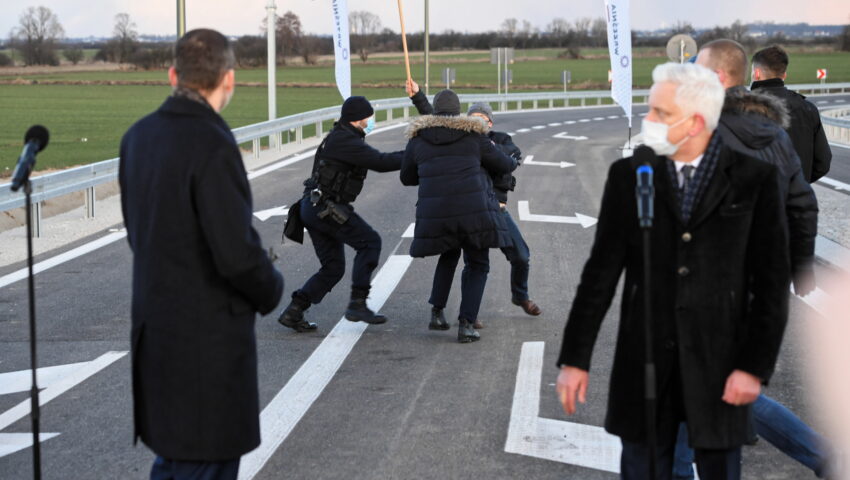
column 719, row 292
column 339, row 172
column 806, row 130
column 200, row 274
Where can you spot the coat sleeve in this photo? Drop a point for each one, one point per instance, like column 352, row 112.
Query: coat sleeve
column 492, row 158
column 420, row 101
column 364, row 155
column 768, row 263
column 801, row 209
column 601, row 273
column 822, row 155
column 409, row 169
column 507, row 145
column 222, row 199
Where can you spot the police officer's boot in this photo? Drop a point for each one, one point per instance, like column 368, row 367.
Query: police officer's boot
column 465, row 332
column 438, row 320
column 293, row 315
column 358, row 311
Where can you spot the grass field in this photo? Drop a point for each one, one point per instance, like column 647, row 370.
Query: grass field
column 101, row 113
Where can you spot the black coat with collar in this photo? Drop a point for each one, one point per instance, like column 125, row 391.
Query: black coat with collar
column 805, row 128
column 734, row 247
column 449, row 158
column 200, row 275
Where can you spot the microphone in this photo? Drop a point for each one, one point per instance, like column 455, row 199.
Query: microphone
column 34, row 141
column 644, row 190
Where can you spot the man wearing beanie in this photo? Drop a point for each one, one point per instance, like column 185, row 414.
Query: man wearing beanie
column 449, row 157
column 339, row 170
column 517, row 253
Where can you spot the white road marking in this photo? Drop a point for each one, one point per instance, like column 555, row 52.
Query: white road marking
column 13, row 442
column 523, row 130
column 612, row 117
column 839, row 101
column 281, row 164
column 60, row 385
column 814, row 299
column 526, row 215
column 264, row 215
column 538, row 127
column 564, row 136
column 598, row 118
column 511, row 134
column 835, row 184
column 570, row 122
column 555, row 124
column 529, row 160
column 557, row 440
column 294, row 400
column 839, row 145
column 833, row 253
column 20, row 381
column 409, row 232
column 823, row 102
column 39, row 267
column 584, row 120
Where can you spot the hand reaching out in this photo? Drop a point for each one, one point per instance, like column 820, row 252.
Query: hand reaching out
column 411, row 87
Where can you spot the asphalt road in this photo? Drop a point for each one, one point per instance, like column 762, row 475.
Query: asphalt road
column 406, row 402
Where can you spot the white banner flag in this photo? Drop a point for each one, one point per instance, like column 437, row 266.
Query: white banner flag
column 620, row 50
column 341, row 47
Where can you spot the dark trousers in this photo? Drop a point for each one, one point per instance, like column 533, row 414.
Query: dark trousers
column 711, row 464
column 164, row 469
column 518, row 254
column 472, row 280
column 329, row 240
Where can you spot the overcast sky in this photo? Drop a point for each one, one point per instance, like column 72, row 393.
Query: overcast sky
column 82, row 18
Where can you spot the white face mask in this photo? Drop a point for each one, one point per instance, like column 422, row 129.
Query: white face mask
column 655, row 137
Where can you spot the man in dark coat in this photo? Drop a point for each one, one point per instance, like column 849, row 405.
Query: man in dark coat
column 720, row 281
column 805, row 129
column 518, row 253
column 449, row 157
column 753, row 123
column 200, row 274
column 339, row 171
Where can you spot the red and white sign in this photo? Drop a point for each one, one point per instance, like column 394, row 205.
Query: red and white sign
column 821, row 74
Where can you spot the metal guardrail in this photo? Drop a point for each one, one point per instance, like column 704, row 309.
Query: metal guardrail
column 46, row 187
column 836, row 123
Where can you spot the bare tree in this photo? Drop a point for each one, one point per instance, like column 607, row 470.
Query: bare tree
column 365, row 27
column 738, row 32
column 289, row 35
column 73, row 54
column 582, row 30
column 559, row 29
column 844, row 39
column 37, row 35
column 682, row 26
column 599, row 32
column 124, row 37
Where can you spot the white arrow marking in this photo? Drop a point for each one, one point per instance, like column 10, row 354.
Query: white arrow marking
column 13, row 442
column 264, row 215
column 835, row 184
column 569, row 137
column 526, row 215
column 556, row 440
column 529, row 161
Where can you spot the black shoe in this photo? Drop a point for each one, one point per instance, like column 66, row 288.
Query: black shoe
column 438, row 320
column 359, row 312
column 465, row 332
column 293, row 317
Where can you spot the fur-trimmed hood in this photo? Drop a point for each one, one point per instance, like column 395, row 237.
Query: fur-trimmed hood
column 451, row 128
column 740, row 100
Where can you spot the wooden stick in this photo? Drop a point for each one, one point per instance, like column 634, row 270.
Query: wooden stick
column 404, row 41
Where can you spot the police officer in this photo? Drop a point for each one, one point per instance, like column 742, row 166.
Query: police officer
column 339, row 170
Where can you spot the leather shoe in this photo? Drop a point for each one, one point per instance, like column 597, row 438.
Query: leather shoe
column 438, row 320
column 358, row 312
column 528, row 307
column 293, row 317
column 465, row 332
column 477, row 324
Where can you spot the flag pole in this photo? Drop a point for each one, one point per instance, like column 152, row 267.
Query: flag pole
column 404, row 40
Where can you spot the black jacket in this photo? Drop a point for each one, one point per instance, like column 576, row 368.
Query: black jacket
column 502, row 182
column 751, row 123
column 719, row 294
column 346, row 144
column 449, row 157
column 805, row 129
column 200, row 274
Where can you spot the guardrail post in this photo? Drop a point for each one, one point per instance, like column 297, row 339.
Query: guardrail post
column 582, row 101
column 389, row 114
column 319, row 129
column 90, row 199
column 36, row 219
column 406, row 112
column 535, row 105
column 278, row 138
column 551, row 103
column 299, row 134
column 255, row 148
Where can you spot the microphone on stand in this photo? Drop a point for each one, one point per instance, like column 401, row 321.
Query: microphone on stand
column 644, row 190
column 35, row 140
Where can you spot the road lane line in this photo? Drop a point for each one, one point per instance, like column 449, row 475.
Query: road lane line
column 286, row 409
column 835, row 184
column 839, row 145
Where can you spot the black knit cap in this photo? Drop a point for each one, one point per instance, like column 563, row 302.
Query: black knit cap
column 446, row 103
column 355, row 109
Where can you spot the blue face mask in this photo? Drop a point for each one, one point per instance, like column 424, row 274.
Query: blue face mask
column 370, row 125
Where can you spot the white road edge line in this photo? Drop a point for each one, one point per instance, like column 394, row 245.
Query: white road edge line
column 13, row 442
column 293, row 401
column 839, row 145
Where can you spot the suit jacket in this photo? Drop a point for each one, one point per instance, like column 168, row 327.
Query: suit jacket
column 719, row 294
column 200, row 275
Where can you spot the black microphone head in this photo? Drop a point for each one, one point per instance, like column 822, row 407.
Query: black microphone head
column 644, row 154
column 39, row 134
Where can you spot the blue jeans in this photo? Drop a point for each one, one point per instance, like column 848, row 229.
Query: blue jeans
column 518, row 254
column 472, row 280
column 781, row 428
column 712, row 464
column 164, row 469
